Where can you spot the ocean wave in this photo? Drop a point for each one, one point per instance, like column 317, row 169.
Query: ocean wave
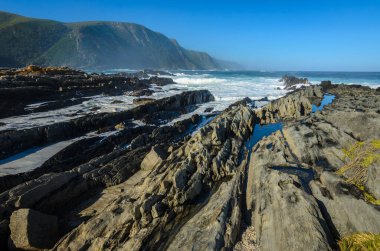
column 180, row 74
column 198, row 81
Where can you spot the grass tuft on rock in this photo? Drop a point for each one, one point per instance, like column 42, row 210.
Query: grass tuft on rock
column 360, row 242
column 359, row 157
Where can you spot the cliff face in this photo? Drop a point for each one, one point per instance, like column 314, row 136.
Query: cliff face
column 102, row 45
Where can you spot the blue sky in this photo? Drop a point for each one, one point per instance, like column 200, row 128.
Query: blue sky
column 262, row 35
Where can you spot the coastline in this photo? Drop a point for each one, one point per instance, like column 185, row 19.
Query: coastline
column 162, row 175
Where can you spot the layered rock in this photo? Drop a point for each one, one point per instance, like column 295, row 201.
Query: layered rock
column 70, row 187
column 294, row 105
column 170, row 187
column 179, row 187
column 295, row 198
column 157, row 112
column 59, row 87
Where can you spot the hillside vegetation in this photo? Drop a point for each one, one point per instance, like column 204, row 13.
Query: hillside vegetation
column 92, row 45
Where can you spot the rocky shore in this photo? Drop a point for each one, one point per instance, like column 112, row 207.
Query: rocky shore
column 295, row 174
column 292, row 82
column 62, row 87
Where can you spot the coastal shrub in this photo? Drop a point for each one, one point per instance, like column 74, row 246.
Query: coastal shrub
column 359, row 157
column 360, row 242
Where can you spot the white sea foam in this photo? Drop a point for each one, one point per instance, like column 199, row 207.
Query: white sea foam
column 227, row 88
column 199, row 81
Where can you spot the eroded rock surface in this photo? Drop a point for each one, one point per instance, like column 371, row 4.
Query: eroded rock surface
column 59, row 87
column 158, row 187
column 295, row 198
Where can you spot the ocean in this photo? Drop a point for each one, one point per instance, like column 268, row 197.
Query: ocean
column 230, row 86
column 226, row 86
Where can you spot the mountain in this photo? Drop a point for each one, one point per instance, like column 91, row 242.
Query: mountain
column 94, row 45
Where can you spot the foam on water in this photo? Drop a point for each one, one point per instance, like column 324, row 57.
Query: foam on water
column 231, row 86
column 226, row 86
column 228, row 89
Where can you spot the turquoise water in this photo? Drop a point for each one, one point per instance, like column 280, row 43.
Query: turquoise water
column 261, row 131
column 327, row 99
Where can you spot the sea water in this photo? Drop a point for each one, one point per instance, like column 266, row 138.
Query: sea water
column 226, row 86
column 231, row 86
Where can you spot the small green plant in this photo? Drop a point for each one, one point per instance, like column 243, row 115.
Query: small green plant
column 360, row 242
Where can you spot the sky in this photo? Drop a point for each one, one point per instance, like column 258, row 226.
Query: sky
column 318, row 35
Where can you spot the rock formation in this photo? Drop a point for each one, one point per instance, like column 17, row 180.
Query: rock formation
column 59, row 87
column 292, row 82
column 180, row 187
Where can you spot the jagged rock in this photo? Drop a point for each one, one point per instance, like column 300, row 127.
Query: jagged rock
column 161, row 81
column 208, row 109
column 63, row 87
column 167, row 187
column 52, row 192
column 165, row 195
column 292, row 106
column 292, row 82
column 12, row 142
column 32, row 230
column 140, row 140
column 216, row 225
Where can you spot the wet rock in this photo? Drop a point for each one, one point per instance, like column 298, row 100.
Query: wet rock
column 32, row 230
column 117, row 102
column 291, row 82
column 264, row 99
column 142, row 101
column 161, row 81
column 144, row 92
column 63, row 87
column 208, row 109
column 12, row 142
column 140, row 140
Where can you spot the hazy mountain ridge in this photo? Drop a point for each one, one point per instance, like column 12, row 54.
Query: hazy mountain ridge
column 93, row 44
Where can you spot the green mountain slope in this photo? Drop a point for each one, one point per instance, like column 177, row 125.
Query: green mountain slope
column 92, row 45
